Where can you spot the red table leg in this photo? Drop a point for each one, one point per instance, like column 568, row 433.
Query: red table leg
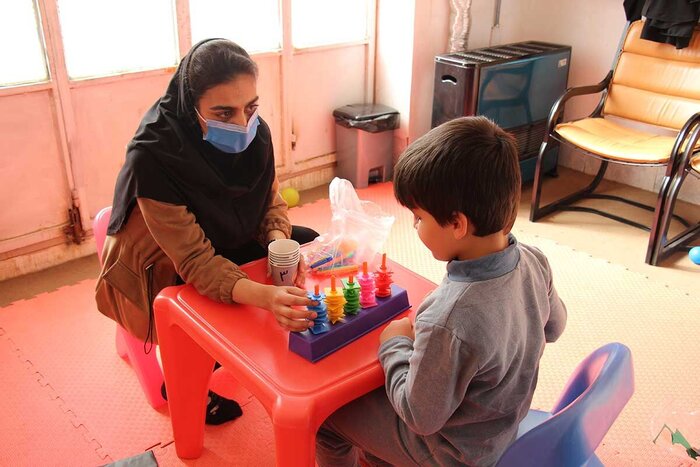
column 187, row 370
column 295, row 433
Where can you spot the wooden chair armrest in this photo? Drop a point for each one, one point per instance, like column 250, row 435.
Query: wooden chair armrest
column 558, row 106
column 689, row 135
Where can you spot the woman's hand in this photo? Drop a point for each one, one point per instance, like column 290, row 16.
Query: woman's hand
column 399, row 327
column 300, row 280
column 280, row 301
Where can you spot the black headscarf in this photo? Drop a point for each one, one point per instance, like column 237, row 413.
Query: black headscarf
column 168, row 161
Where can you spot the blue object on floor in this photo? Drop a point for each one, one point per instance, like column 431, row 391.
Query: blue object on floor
column 694, row 254
column 594, row 396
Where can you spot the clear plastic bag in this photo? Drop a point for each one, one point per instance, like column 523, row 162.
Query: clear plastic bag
column 359, row 230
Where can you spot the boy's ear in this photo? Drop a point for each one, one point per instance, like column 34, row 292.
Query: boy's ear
column 460, row 225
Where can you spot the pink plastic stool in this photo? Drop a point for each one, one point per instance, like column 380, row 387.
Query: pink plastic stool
column 128, row 347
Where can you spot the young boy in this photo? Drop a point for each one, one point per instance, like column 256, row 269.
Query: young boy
column 461, row 378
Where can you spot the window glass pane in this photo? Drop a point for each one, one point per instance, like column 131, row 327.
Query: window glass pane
column 322, row 22
column 21, row 47
column 252, row 24
column 102, row 37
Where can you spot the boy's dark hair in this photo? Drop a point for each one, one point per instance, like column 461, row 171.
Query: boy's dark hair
column 468, row 165
column 215, row 62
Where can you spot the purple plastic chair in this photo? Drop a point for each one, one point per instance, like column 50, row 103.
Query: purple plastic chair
column 130, row 348
column 595, row 395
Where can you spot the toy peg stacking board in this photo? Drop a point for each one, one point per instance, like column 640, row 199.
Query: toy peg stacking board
column 314, row 347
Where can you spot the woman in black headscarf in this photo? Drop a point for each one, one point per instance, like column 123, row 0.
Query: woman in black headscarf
column 196, row 197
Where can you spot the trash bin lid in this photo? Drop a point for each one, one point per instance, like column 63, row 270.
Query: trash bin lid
column 359, row 112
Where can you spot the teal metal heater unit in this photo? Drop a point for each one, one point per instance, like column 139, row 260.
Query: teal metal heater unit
column 514, row 85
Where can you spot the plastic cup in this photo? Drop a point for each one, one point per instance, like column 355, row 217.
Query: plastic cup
column 283, row 275
column 283, row 257
column 283, row 249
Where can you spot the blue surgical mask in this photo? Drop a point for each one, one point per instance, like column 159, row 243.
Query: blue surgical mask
column 229, row 137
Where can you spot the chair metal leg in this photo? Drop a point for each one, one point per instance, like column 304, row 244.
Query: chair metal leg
column 660, row 247
column 537, row 212
column 565, row 204
column 537, row 182
column 668, row 204
column 660, row 224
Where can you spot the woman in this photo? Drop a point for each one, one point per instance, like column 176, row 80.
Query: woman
column 196, row 197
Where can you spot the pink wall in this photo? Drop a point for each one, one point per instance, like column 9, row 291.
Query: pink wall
column 106, row 117
column 270, row 92
column 317, row 90
column 33, row 186
column 105, row 112
column 35, row 172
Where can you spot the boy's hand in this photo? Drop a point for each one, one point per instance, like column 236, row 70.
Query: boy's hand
column 399, row 327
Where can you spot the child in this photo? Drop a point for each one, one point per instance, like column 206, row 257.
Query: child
column 461, row 378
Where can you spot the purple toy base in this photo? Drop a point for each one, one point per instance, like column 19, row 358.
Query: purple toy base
column 314, row 347
column 320, row 328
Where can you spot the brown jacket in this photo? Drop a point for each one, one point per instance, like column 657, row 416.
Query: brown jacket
column 160, row 242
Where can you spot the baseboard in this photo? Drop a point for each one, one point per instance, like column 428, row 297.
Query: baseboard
column 44, row 259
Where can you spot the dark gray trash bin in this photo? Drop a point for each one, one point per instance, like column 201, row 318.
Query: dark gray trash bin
column 365, row 142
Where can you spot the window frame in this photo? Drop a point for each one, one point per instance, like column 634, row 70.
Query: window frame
column 369, row 36
column 60, row 84
column 38, row 85
column 60, row 89
column 54, row 58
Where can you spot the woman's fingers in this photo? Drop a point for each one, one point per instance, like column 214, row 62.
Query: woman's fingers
column 300, row 280
column 298, row 291
column 294, row 320
column 294, row 313
column 301, row 273
column 294, row 326
column 293, row 300
column 296, row 297
column 290, row 318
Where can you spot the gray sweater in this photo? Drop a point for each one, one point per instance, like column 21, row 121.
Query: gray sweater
column 467, row 380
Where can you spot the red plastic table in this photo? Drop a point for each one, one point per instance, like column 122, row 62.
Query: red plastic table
column 194, row 331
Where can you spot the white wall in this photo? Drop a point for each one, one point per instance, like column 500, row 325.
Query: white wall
column 394, row 61
column 593, row 28
column 431, row 31
column 409, row 35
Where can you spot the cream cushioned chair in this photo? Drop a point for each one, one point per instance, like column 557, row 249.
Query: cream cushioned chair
column 653, row 84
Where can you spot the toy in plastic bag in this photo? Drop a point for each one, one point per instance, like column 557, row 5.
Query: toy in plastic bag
column 358, row 232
